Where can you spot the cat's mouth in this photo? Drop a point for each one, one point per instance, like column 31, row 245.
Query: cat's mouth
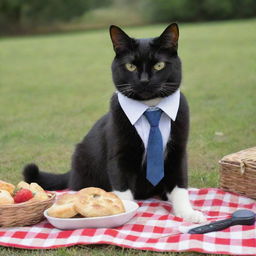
column 137, row 93
column 148, row 92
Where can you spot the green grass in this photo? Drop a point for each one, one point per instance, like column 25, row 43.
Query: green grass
column 53, row 88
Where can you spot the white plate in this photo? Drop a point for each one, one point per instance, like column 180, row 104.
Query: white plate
column 96, row 222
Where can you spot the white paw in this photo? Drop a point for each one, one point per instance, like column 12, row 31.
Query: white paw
column 182, row 206
column 125, row 195
column 191, row 216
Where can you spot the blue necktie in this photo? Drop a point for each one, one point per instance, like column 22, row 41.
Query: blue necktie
column 155, row 158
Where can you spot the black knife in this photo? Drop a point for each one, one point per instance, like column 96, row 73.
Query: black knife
column 239, row 217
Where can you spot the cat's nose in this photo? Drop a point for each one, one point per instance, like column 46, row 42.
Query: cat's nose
column 144, row 80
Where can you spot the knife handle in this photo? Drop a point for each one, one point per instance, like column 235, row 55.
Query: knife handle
column 215, row 226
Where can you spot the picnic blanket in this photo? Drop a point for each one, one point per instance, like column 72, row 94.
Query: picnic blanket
column 153, row 228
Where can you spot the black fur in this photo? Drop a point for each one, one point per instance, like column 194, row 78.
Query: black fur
column 111, row 154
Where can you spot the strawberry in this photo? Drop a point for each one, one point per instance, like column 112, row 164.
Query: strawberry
column 22, row 195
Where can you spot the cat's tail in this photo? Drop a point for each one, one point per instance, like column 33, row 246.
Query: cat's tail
column 48, row 181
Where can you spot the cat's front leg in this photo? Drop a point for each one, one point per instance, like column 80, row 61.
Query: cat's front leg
column 118, row 181
column 182, row 206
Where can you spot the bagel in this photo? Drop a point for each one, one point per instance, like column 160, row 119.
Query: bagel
column 95, row 202
column 63, row 207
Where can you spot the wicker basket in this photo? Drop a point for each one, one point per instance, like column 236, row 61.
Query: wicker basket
column 238, row 172
column 24, row 214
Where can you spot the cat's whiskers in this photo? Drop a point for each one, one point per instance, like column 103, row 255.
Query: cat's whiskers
column 123, row 85
column 125, row 89
column 127, row 92
column 166, row 88
column 171, row 83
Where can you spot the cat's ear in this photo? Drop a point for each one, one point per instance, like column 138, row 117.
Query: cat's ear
column 169, row 38
column 121, row 41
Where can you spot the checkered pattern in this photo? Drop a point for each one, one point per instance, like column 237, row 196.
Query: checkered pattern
column 153, row 228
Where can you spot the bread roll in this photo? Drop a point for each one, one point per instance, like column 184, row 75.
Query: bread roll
column 7, row 186
column 38, row 191
column 5, row 197
column 23, row 184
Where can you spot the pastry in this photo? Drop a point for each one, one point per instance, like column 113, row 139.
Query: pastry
column 23, row 184
column 63, row 207
column 38, row 191
column 95, row 202
column 7, row 186
column 5, row 197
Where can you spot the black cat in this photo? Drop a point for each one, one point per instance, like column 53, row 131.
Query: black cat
column 112, row 154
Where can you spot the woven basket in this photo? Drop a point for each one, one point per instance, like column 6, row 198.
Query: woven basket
column 238, row 172
column 24, row 214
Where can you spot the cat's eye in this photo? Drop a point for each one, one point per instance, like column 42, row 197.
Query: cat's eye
column 159, row 65
column 130, row 67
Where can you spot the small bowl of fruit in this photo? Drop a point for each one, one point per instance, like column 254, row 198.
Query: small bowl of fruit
column 24, row 204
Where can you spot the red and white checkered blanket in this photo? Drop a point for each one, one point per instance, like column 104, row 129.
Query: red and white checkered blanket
column 153, row 228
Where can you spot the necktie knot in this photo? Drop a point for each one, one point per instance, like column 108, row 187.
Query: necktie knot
column 153, row 117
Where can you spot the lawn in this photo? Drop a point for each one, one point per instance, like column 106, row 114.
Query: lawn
column 54, row 87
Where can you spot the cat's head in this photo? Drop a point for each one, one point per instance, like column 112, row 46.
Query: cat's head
column 145, row 69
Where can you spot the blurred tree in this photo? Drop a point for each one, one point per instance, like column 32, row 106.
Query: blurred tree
column 10, row 11
column 243, row 8
column 213, row 11
column 197, row 10
column 19, row 13
column 28, row 14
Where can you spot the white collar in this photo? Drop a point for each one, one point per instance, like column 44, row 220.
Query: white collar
column 134, row 109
